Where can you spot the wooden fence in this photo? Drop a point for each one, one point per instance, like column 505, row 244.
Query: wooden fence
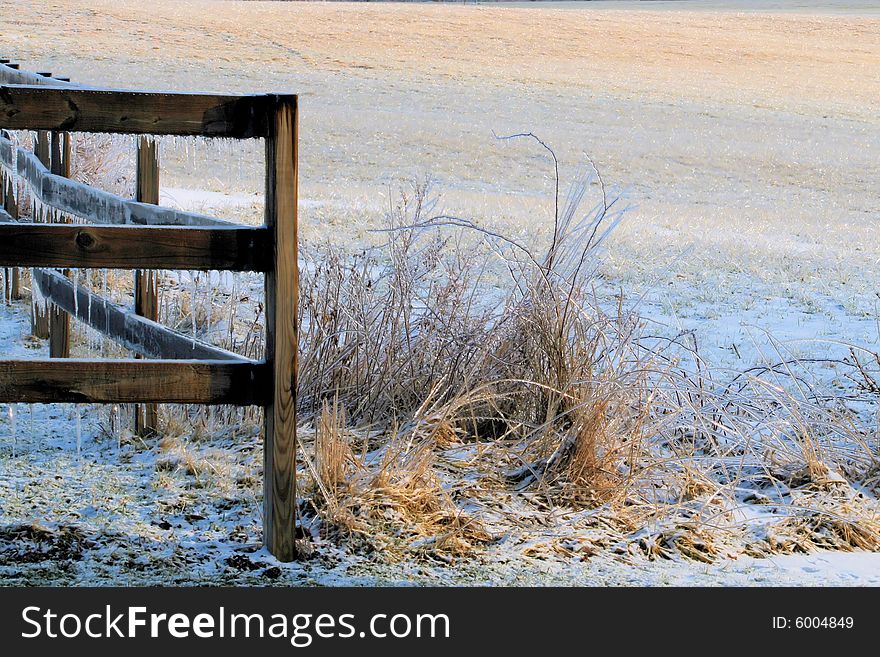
column 138, row 234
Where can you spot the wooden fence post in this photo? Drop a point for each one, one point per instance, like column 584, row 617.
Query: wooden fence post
column 146, row 282
column 59, row 320
column 40, row 316
column 15, row 291
column 191, row 242
column 279, row 447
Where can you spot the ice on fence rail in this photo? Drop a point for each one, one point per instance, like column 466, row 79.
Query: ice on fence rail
column 38, row 303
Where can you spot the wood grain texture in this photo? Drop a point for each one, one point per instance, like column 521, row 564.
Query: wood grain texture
column 59, row 320
column 70, row 380
column 279, row 493
column 75, row 109
column 33, row 163
column 223, row 378
column 59, row 332
column 139, row 334
column 15, row 287
column 146, row 282
column 42, row 148
column 239, row 248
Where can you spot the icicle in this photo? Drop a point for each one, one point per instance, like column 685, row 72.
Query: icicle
column 74, row 162
column 165, row 298
column 89, row 313
column 106, row 298
column 12, row 430
column 232, row 306
column 240, row 161
column 193, row 307
column 114, row 425
column 75, row 295
column 209, row 299
column 78, row 431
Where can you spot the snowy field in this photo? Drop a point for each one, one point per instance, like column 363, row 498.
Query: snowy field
column 745, row 136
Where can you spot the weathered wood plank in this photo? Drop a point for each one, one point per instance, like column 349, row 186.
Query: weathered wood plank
column 139, row 334
column 74, row 109
column 146, row 282
column 59, row 320
column 15, row 291
column 147, row 191
column 70, row 380
column 32, row 166
column 227, row 248
column 279, row 449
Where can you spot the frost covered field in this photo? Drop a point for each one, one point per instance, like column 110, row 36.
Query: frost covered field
column 746, row 145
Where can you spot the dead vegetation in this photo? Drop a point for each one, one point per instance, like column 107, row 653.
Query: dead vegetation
column 463, row 387
column 459, row 389
column 36, row 544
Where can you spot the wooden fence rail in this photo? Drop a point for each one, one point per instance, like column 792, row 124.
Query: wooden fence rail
column 75, row 109
column 77, row 381
column 225, row 248
column 139, row 235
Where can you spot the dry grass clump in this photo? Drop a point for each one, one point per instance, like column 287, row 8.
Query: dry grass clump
column 104, row 161
column 460, row 336
column 461, row 366
column 677, row 540
column 392, row 495
column 334, row 460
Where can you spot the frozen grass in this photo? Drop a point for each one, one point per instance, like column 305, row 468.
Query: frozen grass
column 538, row 393
column 467, row 392
column 459, row 389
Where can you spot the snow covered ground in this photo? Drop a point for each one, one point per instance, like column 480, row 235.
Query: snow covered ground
column 748, row 144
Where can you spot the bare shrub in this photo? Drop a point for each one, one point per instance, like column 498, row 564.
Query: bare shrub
column 103, row 161
column 453, row 338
